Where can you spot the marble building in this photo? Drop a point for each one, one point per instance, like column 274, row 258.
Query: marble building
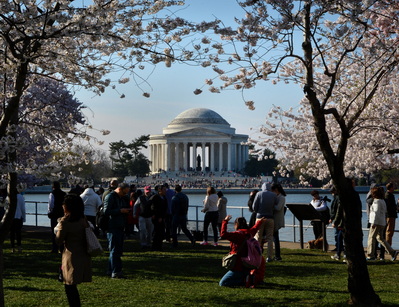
column 198, row 139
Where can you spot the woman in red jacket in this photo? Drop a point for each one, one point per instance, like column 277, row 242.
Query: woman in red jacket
column 236, row 276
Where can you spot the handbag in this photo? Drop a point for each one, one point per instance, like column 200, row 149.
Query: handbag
column 229, row 261
column 94, row 247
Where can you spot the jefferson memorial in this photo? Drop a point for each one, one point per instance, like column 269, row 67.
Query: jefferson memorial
column 198, row 139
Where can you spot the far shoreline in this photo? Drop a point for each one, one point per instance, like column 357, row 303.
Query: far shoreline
column 363, row 189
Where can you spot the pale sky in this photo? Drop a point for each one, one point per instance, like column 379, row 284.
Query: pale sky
column 172, row 93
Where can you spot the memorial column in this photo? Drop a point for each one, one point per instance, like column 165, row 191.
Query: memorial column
column 212, row 158
column 203, row 145
column 185, row 156
column 194, row 157
column 161, row 159
column 153, row 158
column 167, row 157
column 177, row 158
column 228, row 156
column 220, row 157
column 242, row 156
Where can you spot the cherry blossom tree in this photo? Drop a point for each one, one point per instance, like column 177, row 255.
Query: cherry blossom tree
column 48, row 119
column 80, row 45
column 344, row 55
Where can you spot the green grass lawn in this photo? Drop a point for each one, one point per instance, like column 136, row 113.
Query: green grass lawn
column 187, row 276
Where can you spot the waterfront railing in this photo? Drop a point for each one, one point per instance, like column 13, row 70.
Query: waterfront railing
column 37, row 216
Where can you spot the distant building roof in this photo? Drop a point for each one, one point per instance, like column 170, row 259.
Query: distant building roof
column 199, row 115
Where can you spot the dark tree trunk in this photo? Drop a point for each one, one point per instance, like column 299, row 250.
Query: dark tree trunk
column 1, row 276
column 359, row 284
column 10, row 117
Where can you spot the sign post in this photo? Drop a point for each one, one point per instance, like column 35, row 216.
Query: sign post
column 307, row 212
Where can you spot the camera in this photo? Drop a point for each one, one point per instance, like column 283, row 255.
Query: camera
column 326, row 199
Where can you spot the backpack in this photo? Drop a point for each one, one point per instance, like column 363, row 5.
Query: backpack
column 102, row 220
column 253, row 259
column 145, row 206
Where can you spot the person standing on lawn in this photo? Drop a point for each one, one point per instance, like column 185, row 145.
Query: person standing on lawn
column 117, row 208
column 55, row 211
column 279, row 218
column 142, row 210
column 180, row 203
column 336, row 219
column 16, row 226
column 264, row 205
column 76, row 262
column 168, row 218
column 392, row 213
column 92, row 202
column 211, row 215
column 222, row 208
column 159, row 207
column 378, row 221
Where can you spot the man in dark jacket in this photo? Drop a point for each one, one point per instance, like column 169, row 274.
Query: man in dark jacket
column 159, row 208
column 179, row 215
column 391, row 211
column 263, row 205
column 112, row 186
column 55, row 211
column 116, row 208
column 336, row 220
column 142, row 210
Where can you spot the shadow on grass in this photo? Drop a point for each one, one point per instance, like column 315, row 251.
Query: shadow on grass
column 28, row 289
column 199, row 264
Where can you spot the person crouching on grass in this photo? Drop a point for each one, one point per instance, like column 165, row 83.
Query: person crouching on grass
column 237, row 276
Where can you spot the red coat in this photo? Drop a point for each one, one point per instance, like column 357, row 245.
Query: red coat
column 236, row 239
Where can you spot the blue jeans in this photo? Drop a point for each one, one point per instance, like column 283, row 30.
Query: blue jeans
column 115, row 244
column 339, row 241
column 234, row 279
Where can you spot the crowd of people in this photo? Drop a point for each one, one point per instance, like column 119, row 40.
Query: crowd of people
column 382, row 211
column 158, row 213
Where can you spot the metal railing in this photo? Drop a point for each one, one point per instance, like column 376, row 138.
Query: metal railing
column 37, row 212
column 40, row 209
column 243, row 211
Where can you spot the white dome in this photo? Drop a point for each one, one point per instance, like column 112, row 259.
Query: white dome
column 199, row 115
column 199, row 118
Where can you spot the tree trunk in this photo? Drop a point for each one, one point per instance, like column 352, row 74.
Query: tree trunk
column 10, row 117
column 2, row 302
column 359, row 284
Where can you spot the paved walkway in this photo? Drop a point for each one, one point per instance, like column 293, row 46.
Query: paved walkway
column 181, row 238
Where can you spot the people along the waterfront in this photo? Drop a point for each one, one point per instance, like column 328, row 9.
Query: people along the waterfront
column 211, row 215
column 180, row 203
column 378, row 213
column 55, row 211
column 264, row 204
column 116, row 208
